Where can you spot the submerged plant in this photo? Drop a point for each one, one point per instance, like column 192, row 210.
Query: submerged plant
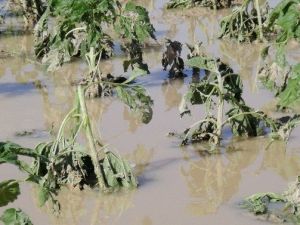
column 250, row 22
column 66, row 161
column 288, row 211
column 245, row 23
column 222, row 86
column 279, row 76
column 214, row 4
column 31, row 10
column 171, row 57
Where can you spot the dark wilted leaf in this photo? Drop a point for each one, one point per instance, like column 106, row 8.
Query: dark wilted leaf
column 9, row 191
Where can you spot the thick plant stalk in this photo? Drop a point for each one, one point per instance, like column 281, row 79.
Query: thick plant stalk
column 261, row 36
column 89, row 134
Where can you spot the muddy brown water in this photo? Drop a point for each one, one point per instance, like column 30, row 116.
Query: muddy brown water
column 178, row 186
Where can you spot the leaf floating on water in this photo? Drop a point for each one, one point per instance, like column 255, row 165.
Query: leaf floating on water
column 287, row 211
column 9, row 191
column 258, row 203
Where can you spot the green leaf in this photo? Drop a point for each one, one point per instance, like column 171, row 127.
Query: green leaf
column 9, row 191
column 264, row 52
column 244, row 121
column 15, row 217
column 291, row 95
column 9, row 154
column 137, row 100
column 43, row 195
column 203, row 63
column 118, row 171
column 137, row 72
column 6, row 153
column 258, row 203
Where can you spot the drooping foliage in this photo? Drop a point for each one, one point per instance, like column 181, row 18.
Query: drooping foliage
column 245, row 23
column 284, row 21
column 217, row 4
column 276, row 207
column 71, row 28
column 171, row 57
column 31, row 10
column 251, row 21
column 222, row 86
column 66, row 161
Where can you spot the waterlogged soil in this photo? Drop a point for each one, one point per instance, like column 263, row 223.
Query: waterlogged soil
column 178, row 186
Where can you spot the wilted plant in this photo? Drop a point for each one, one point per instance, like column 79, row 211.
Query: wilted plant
column 251, row 21
column 81, row 25
column 245, row 23
column 222, row 86
column 31, row 10
column 284, row 21
column 283, row 81
column 260, row 204
column 171, row 57
column 65, row 161
column 279, row 76
column 213, row 4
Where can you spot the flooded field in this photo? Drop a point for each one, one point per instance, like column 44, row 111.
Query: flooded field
column 177, row 185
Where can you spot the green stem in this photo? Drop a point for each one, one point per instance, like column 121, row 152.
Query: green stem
column 215, row 4
column 261, row 36
column 220, row 107
column 89, row 134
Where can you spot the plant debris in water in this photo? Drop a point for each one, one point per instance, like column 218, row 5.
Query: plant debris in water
column 213, row 4
column 171, row 57
column 260, row 204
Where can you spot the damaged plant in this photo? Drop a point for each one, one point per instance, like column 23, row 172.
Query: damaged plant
column 82, row 25
column 171, row 57
column 213, row 4
column 283, row 80
column 288, row 205
column 245, row 23
column 31, row 10
column 278, row 75
column 250, row 22
column 222, row 86
column 65, row 161
column 132, row 94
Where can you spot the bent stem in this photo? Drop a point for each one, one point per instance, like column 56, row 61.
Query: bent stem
column 90, row 137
